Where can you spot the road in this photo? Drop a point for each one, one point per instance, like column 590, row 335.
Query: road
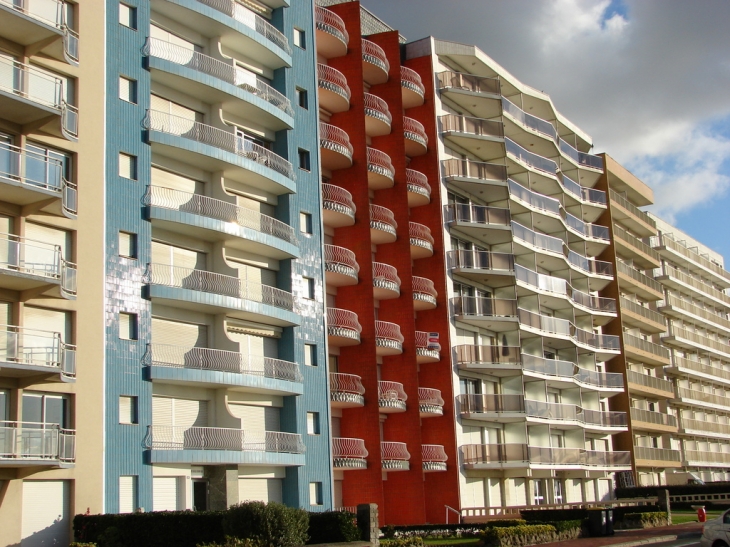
column 686, row 542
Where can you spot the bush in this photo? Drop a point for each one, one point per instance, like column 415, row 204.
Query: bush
column 333, row 527
column 412, row 541
column 646, row 520
column 553, row 515
column 77, row 544
column 518, row 536
column 233, row 542
column 272, row 524
column 506, row 523
column 619, row 513
column 674, row 490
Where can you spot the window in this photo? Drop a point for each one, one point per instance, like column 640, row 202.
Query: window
column 128, row 89
column 300, row 38
column 127, row 245
column 39, row 408
column 128, row 16
column 45, row 166
column 127, row 410
column 310, row 355
column 305, row 223
column 127, row 326
column 315, row 493
column 308, row 287
column 302, row 98
column 304, row 159
column 127, row 166
column 313, row 423
column 127, row 493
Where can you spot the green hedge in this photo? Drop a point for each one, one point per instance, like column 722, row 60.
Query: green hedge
column 553, row 515
column 674, row 490
column 411, row 541
column 333, row 527
column 272, row 524
column 658, row 518
column 518, row 536
column 505, row 523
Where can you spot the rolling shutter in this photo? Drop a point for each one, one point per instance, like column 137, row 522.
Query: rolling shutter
column 52, row 236
column 162, row 411
column 127, row 493
column 5, row 316
column 45, row 519
column 180, row 257
column 473, row 494
column 265, row 490
column 253, row 418
column 573, row 492
column 519, row 491
column 48, row 320
column 174, row 333
column 184, row 413
column 160, row 177
column 165, row 493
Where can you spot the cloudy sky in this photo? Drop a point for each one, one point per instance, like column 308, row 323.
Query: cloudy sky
column 649, row 80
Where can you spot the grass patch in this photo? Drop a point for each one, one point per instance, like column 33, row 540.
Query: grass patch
column 683, row 517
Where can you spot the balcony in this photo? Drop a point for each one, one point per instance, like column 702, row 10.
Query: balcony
column 213, row 367
column 433, row 458
column 214, row 220
column 642, row 317
column 531, row 161
column 418, row 188
column 649, row 385
column 375, row 65
column 340, row 266
column 391, row 397
column 430, row 403
column 557, row 373
column 495, row 360
column 634, row 249
column 377, row 116
column 346, row 391
column 482, row 138
column 581, row 159
column 424, row 294
column 647, row 456
column 476, row 176
column 388, row 339
column 692, row 313
column 27, row 353
column 394, row 456
column 208, row 445
column 381, row 173
column 338, row 209
column 29, row 178
column 537, row 134
column 489, row 225
column 645, row 351
column 701, row 458
column 343, row 328
column 421, row 240
column 704, row 428
column 348, row 454
column 40, row 26
column 212, row 80
column 413, row 91
column 386, row 283
column 427, row 349
column 31, row 444
column 332, row 37
column 415, row 137
column 210, row 292
column 636, row 282
column 214, row 149
column 334, row 93
column 29, row 95
column 382, row 225
column 472, row 93
column 335, row 148
column 496, row 314
column 505, row 456
column 701, row 371
column 493, row 269
column 676, row 279
column 630, row 215
column 29, row 265
column 594, row 200
column 689, row 340
column 694, row 397
column 647, row 420
column 691, row 259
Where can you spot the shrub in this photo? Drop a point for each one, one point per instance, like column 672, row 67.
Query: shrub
column 433, row 531
column 506, row 523
column 412, row 541
column 77, row 544
column 619, row 513
column 518, row 536
column 647, row 520
column 233, row 542
column 272, row 524
column 333, row 527
column 553, row 515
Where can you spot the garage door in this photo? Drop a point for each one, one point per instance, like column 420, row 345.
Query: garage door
column 165, row 493
column 45, row 519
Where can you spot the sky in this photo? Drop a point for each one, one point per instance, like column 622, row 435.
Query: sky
column 648, row 80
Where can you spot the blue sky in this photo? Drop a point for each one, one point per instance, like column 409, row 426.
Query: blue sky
column 649, row 80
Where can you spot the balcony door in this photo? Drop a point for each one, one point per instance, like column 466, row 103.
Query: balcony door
column 39, row 255
column 177, row 119
column 256, row 347
column 178, row 267
column 178, row 423
column 40, row 343
column 176, row 344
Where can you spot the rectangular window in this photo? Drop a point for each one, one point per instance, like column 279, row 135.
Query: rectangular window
column 300, row 38
column 304, row 159
column 127, row 166
column 315, row 493
column 127, row 245
column 127, row 409
column 308, row 287
column 305, row 223
column 313, row 423
column 128, row 16
column 127, row 493
column 310, row 355
column 39, row 408
column 302, row 98
column 127, row 326
column 128, row 89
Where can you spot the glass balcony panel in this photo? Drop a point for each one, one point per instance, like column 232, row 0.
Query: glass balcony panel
column 528, row 120
column 530, row 159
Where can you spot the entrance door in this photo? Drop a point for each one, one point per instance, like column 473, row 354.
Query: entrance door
column 200, row 495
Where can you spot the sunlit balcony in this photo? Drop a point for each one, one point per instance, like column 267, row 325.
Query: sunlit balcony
column 332, row 37
column 391, row 397
column 641, row 316
column 638, row 349
column 424, row 294
column 418, row 188
column 415, row 137
column 334, row 93
column 495, row 314
column 493, row 269
column 647, row 420
column 692, row 313
column 348, row 454
column 676, row 279
column 558, row 373
column 477, row 94
column 382, row 225
column 633, row 281
column 343, row 328
column 691, row 259
column 433, row 457
column 346, row 391
column 340, row 266
column 507, row 456
column 388, row 339
column 688, row 397
column 591, row 165
column 699, row 370
column 412, row 89
column 490, row 225
column 704, row 428
column 31, row 444
column 647, row 456
column 537, row 134
column 629, row 246
column 430, row 403
column 338, row 209
column 377, row 116
column 26, row 353
column 386, row 283
column 427, row 348
column 630, row 215
column 703, row 458
column 649, row 385
column 475, row 176
column 375, row 65
column 689, row 340
column 334, row 144
column 381, row 172
column 394, row 456
column 495, row 360
column 482, row 138
column 421, row 240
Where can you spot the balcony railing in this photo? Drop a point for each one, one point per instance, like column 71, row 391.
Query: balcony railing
column 701, row 367
column 343, row 323
column 706, row 426
column 37, row 348
column 338, row 200
column 185, row 202
column 476, row 214
column 340, row 260
column 607, row 380
column 581, row 158
column 703, row 397
column 391, row 395
column 467, row 355
column 530, row 159
column 639, row 277
column 563, row 327
column 394, row 456
column 476, row 454
column 706, row 341
column 481, row 260
column 424, row 348
column 666, row 241
column 38, row 172
column 693, row 282
column 534, row 199
column 703, row 456
column 546, row 283
column 417, row 183
column 651, row 417
column 635, row 243
column 567, row 369
column 330, row 23
column 227, row 141
column 472, row 126
column 529, row 121
column 537, row 240
column 346, row 388
column 385, row 276
column 374, row 54
column 219, row 284
column 207, row 359
column 424, row 287
column 248, row 18
column 410, row 79
column 582, row 193
column 649, row 381
column 344, row 448
column 477, row 170
column 383, row 219
column 49, row 442
column 693, row 309
column 631, row 208
column 388, row 334
column 643, row 311
column 483, row 306
column 226, row 72
column 468, row 82
column 163, row 437
column 333, row 80
column 420, row 235
column 335, row 139
column 588, row 266
column 414, row 130
column 380, row 163
column 657, row 454
column 429, row 397
column 645, row 345
column 433, row 457
column 375, row 107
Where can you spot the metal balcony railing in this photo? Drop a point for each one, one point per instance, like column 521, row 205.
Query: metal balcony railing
column 391, row 391
column 433, row 457
column 484, row 306
column 347, row 448
column 382, row 218
column 226, row 72
column 707, row 457
column 420, row 235
column 37, row 348
column 476, row 214
column 389, row 332
column 581, row 158
column 385, row 276
column 693, row 282
column 163, row 437
column 705, row 426
column 582, row 193
column 215, row 283
column 375, row 107
column 475, row 454
column 374, row 54
column 224, row 140
column 335, row 139
column 624, row 203
column 477, row 170
column 430, row 397
column 468, row 82
column 529, row 121
column 703, row 397
column 410, row 79
column 170, row 356
column 346, row 383
column 530, row 159
column 644, row 345
column 643, row 311
column 693, row 309
column 649, row 381
column 196, row 204
column 664, row 240
column 424, row 348
column 340, row 260
column 651, row 417
column 339, row 320
column 563, row 327
column 480, row 260
column 390, row 451
column 332, row 79
column 417, row 183
column 635, row 243
column 50, row 442
column 701, row 367
column 712, row 343
column 567, row 369
column 414, row 130
column 337, row 199
column 534, row 199
column 659, row 454
column 422, row 285
column 638, row 276
column 380, row 163
column 471, row 126
column 331, row 23
column 487, row 355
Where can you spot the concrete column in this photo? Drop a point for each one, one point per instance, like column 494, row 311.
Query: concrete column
column 367, row 522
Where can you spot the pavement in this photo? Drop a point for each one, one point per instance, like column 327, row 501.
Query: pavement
column 632, row 538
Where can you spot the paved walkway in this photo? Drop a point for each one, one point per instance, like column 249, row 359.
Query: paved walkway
column 629, row 538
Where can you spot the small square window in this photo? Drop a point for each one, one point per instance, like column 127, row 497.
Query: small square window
column 310, row 355
column 315, row 493
column 127, row 410
column 309, row 287
column 305, row 223
column 304, row 159
column 300, row 38
column 127, row 166
column 313, row 423
column 128, row 89
column 128, row 16
column 127, row 326
column 302, row 98
column 127, row 245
